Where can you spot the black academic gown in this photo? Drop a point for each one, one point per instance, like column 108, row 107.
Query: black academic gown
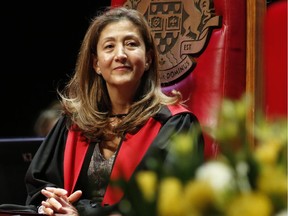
column 55, row 165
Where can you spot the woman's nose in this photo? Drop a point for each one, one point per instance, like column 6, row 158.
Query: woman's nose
column 120, row 54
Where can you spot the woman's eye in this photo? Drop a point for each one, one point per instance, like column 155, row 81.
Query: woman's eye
column 131, row 43
column 108, row 46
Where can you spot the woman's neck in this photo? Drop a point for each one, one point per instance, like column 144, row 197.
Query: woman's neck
column 120, row 101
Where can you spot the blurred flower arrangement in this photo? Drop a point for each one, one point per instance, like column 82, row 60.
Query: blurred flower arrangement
column 245, row 178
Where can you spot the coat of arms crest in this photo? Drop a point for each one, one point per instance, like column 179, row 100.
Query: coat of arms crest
column 181, row 30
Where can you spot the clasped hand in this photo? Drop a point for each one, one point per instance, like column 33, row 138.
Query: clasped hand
column 58, row 203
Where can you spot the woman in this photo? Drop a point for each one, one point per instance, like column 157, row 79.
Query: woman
column 115, row 116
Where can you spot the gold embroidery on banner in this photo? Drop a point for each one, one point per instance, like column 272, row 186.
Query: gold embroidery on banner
column 181, row 30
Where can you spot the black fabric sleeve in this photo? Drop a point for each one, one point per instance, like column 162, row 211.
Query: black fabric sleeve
column 183, row 123
column 46, row 168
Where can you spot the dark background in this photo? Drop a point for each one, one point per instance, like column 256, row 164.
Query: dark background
column 39, row 42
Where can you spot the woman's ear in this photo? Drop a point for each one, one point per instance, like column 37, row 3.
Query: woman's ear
column 147, row 66
column 96, row 65
column 148, row 60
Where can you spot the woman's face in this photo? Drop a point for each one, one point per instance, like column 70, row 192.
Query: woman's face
column 121, row 55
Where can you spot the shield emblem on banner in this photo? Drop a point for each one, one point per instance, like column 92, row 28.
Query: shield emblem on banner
column 165, row 25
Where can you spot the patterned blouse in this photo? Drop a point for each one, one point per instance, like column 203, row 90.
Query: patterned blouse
column 98, row 173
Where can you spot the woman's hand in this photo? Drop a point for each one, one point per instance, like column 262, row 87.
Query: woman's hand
column 57, row 202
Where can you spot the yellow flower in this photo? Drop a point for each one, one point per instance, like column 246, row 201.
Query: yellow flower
column 267, row 153
column 147, row 181
column 183, row 144
column 267, row 131
column 198, row 195
column 228, row 131
column 273, row 181
column 241, row 107
column 170, row 199
column 250, row 204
